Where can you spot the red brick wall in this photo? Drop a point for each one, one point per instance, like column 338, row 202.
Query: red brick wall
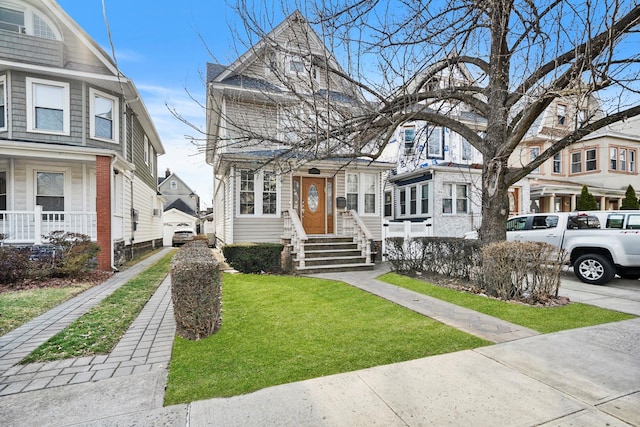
column 103, row 210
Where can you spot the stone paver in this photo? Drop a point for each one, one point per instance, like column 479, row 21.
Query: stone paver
column 134, row 354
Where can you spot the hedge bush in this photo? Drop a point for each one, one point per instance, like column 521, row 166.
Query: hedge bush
column 524, row 271
column 450, row 256
column 254, row 257
column 196, row 290
column 14, row 264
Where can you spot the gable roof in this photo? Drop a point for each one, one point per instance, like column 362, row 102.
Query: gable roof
column 114, row 80
column 180, row 205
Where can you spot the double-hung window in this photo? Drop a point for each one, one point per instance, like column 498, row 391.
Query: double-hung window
column 455, row 199
column 104, row 116
column 435, row 142
column 562, row 114
column 247, row 192
column 576, row 162
column 466, row 150
column 534, row 153
column 50, row 191
column 557, row 163
column 352, row 191
column 3, row 103
column 591, row 160
column 258, row 193
column 362, row 192
column 48, row 106
column 413, row 200
column 409, row 138
column 269, row 193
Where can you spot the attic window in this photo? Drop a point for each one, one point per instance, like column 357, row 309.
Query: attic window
column 173, row 184
column 296, row 66
column 12, row 20
column 27, row 21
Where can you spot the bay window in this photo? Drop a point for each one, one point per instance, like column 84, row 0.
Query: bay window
column 258, row 193
column 362, row 192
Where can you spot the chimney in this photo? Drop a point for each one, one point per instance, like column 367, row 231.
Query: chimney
column 167, row 173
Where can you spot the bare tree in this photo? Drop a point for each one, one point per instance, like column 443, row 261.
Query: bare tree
column 522, row 54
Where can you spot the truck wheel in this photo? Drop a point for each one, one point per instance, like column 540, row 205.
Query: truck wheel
column 594, row 269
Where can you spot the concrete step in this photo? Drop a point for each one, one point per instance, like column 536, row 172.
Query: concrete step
column 334, row 268
column 332, row 260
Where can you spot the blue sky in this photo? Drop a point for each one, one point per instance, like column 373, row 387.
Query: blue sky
column 158, row 45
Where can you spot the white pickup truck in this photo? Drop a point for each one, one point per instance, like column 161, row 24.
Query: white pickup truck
column 600, row 244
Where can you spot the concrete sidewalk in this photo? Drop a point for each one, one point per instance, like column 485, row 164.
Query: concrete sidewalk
column 588, row 376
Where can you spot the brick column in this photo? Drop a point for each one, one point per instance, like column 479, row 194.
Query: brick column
column 103, row 211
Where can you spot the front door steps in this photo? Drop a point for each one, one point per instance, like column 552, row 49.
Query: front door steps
column 324, row 254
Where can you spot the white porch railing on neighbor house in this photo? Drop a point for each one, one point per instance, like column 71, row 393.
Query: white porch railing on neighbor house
column 294, row 231
column 352, row 225
column 408, row 229
column 29, row 227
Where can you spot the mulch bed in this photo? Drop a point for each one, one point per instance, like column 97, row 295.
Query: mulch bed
column 464, row 285
column 91, row 277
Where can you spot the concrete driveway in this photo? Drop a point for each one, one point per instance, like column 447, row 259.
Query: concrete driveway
column 619, row 294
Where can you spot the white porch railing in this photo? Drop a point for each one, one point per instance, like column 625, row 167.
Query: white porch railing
column 29, row 227
column 408, row 229
column 294, row 231
column 352, row 225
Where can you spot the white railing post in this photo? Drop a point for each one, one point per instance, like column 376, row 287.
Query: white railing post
column 295, row 231
column 37, row 229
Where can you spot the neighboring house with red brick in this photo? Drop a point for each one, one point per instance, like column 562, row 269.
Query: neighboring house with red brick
column 78, row 148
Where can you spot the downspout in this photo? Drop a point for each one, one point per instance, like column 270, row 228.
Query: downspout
column 113, row 204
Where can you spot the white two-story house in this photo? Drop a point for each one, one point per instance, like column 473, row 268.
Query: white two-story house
column 435, row 189
column 268, row 186
column 77, row 146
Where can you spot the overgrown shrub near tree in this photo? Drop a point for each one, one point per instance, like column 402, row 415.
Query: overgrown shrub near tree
column 196, row 291
column 586, row 201
column 254, row 257
column 630, row 200
column 523, row 271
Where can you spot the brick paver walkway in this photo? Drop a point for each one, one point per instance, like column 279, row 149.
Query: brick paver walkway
column 146, row 345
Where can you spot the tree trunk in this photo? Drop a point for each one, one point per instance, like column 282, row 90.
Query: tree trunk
column 495, row 201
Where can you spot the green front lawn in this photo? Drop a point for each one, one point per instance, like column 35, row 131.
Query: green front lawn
column 100, row 329
column 541, row 319
column 18, row 307
column 278, row 329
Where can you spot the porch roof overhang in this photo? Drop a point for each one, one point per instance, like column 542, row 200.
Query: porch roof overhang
column 57, row 152
column 427, row 172
column 557, row 188
column 262, row 158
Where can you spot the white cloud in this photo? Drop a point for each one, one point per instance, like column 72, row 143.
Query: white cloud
column 182, row 156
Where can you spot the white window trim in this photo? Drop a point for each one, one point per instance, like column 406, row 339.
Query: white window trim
column 115, row 121
column 3, row 82
column 406, row 189
column 258, row 186
column 145, row 154
column 32, row 170
column 361, row 194
column 66, row 108
column 454, row 198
